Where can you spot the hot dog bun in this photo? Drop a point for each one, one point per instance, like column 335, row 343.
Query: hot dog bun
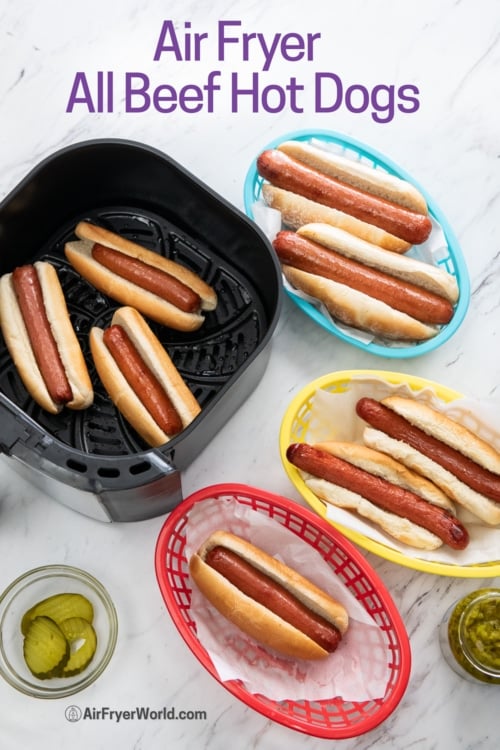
column 429, row 277
column 450, row 433
column 480, row 506
column 296, row 210
column 357, row 309
column 447, row 430
column 359, row 175
column 307, row 255
column 79, row 254
column 381, row 465
column 125, row 397
column 18, row 342
column 253, row 618
column 285, row 172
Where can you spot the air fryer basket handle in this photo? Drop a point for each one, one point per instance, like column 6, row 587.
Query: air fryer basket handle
column 17, row 428
column 144, row 486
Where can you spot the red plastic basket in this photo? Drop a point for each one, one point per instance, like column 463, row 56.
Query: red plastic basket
column 329, row 719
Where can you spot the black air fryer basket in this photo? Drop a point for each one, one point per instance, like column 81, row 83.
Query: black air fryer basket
column 93, row 461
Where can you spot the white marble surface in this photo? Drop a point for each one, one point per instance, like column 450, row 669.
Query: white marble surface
column 451, row 50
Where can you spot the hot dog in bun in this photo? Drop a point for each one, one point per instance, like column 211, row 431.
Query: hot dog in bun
column 405, row 505
column 358, row 175
column 432, row 444
column 141, row 379
column 394, row 303
column 296, row 211
column 430, row 277
column 41, row 340
column 288, row 173
column 158, row 287
column 266, row 599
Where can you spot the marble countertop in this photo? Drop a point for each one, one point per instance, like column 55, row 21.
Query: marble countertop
column 451, row 53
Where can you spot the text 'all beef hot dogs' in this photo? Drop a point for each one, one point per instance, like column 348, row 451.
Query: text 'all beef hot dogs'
column 141, row 379
column 41, row 340
column 158, row 287
column 266, row 599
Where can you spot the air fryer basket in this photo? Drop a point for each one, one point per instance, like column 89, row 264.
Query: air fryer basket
column 145, row 196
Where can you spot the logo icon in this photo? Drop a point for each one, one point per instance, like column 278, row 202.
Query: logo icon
column 73, row 713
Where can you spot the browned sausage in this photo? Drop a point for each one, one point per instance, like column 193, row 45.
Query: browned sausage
column 148, row 277
column 380, row 492
column 262, row 589
column 142, row 380
column 29, row 296
column 294, row 250
column 468, row 471
column 289, row 174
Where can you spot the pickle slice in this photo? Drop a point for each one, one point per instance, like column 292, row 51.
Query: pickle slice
column 82, row 639
column 59, row 607
column 45, row 648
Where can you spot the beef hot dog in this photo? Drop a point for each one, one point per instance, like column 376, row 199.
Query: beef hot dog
column 428, row 442
column 149, row 277
column 141, row 379
column 41, row 340
column 266, row 599
column 310, row 256
column 359, row 310
column 296, row 210
column 408, row 508
column 158, row 287
column 358, row 175
column 427, row 276
column 289, row 174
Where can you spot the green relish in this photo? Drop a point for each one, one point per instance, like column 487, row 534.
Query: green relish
column 474, row 635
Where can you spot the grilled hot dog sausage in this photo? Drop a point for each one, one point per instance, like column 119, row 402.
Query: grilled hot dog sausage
column 272, row 595
column 390, row 497
column 301, row 253
column 267, row 600
column 148, row 277
column 475, row 476
column 142, row 380
column 29, row 296
column 140, row 377
column 289, row 174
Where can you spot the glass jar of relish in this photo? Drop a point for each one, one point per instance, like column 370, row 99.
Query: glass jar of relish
column 469, row 636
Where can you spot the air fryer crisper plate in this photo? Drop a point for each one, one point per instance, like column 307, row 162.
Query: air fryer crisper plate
column 142, row 194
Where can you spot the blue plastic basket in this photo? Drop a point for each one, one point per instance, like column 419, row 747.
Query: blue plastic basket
column 453, row 262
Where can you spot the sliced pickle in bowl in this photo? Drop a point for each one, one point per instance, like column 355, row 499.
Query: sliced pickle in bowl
column 59, row 637
column 82, row 640
column 59, row 607
column 46, row 649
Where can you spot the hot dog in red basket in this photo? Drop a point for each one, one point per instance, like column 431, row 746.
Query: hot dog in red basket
column 266, row 599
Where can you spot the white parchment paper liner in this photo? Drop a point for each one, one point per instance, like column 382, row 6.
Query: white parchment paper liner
column 333, row 417
column 357, row 671
column 433, row 250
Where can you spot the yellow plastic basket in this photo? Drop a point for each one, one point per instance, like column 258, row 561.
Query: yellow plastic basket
column 294, row 429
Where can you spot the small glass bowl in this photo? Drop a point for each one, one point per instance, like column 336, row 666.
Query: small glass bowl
column 469, row 635
column 28, row 590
